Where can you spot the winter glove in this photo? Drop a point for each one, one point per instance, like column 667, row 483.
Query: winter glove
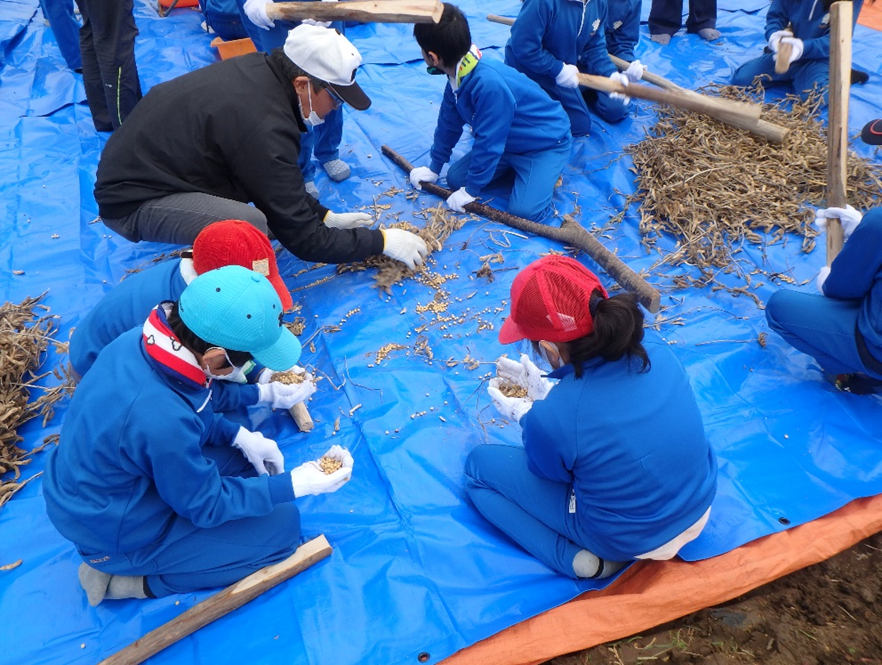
column 255, row 10
column 568, row 77
column 620, row 77
column 321, row 24
column 263, row 453
column 422, row 174
column 309, row 478
column 775, row 39
column 283, row 395
column 404, row 246
column 635, row 71
column 798, row 48
column 848, row 217
column 458, row 199
column 822, row 277
column 347, row 220
column 524, row 374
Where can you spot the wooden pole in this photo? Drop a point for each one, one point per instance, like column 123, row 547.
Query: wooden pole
column 364, row 11
column 841, row 22
column 754, row 124
column 301, row 417
column 570, row 232
column 722, row 109
column 221, row 603
column 782, row 58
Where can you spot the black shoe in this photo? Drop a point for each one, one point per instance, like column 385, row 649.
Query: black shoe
column 856, row 383
column 857, row 76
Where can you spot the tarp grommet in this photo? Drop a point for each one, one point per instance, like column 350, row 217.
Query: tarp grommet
column 784, row 521
column 423, row 657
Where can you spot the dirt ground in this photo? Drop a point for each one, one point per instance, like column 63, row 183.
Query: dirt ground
column 827, row 614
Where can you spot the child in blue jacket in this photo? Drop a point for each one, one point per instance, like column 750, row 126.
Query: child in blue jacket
column 552, row 41
column 804, row 25
column 623, row 27
column 615, row 465
column 158, row 494
column 514, row 124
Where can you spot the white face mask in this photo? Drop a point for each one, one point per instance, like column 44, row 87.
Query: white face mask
column 543, row 353
column 313, row 119
column 236, row 376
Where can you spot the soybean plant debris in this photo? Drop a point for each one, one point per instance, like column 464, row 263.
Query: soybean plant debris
column 714, row 187
column 24, row 338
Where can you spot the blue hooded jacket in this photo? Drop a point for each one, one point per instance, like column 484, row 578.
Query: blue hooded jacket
column 622, row 27
column 811, row 24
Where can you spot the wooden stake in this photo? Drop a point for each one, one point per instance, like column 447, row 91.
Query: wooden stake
column 782, row 58
column 841, row 22
column 570, row 232
column 301, row 417
column 754, row 124
column 221, row 603
column 364, row 11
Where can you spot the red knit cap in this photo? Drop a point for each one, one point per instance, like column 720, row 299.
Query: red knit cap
column 550, row 300
column 237, row 243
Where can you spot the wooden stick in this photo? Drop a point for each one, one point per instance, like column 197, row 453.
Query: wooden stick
column 365, row 11
column 753, row 124
column 301, row 417
column 221, row 603
column 718, row 108
column 782, row 58
column 570, row 233
column 841, row 15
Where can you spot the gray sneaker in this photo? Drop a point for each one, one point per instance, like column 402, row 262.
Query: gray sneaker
column 337, row 169
column 311, row 188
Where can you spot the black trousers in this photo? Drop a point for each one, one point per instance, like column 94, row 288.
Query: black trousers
column 110, row 75
column 666, row 16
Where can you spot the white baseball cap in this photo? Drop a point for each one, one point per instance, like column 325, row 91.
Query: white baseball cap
column 328, row 56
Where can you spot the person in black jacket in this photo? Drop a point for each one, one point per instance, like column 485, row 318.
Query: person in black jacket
column 197, row 149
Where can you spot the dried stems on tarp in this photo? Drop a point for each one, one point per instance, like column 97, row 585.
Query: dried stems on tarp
column 440, row 223
column 24, row 338
column 713, row 186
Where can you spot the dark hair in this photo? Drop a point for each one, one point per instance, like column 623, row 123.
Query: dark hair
column 618, row 332
column 449, row 38
column 292, row 71
column 195, row 343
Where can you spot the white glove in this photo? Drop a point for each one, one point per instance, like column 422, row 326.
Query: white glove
column 310, row 479
column 404, row 246
column 635, row 71
column 321, row 24
column 775, row 39
column 798, row 48
column 525, row 374
column 283, row 395
column 459, row 199
column 347, row 220
column 422, row 174
column 848, row 217
column 568, row 77
column 822, row 277
column 620, row 77
column 255, row 10
column 513, row 408
column 263, row 453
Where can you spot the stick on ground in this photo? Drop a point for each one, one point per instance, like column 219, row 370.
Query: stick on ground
column 365, row 11
column 221, row 603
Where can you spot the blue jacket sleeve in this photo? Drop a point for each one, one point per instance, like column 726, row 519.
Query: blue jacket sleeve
column 777, row 18
column 447, row 132
column 594, row 58
column 621, row 41
column 494, row 112
column 549, row 453
column 534, row 20
column 229, row 396
column 857, row 267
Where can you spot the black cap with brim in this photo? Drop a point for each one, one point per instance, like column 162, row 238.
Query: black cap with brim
column 352, row 94
column 872, row 132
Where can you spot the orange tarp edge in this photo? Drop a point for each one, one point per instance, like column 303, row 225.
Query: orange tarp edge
column 871, row 15
column 652, row 593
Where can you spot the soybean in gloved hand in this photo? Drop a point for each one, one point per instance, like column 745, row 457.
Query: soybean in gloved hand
column 524, row 373
column 309, row 478
column 284, row 396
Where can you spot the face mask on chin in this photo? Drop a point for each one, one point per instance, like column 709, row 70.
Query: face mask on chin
column 543, row 353
column 312, row 119
column 236, row 376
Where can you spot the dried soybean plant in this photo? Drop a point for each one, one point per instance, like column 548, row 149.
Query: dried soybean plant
column 713, row 187
column 440, row 223
column 24, row 337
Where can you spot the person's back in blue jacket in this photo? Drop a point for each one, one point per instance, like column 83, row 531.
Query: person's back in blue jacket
column 623, row 28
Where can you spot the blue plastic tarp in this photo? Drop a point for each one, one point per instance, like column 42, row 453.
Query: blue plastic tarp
column 415, row 570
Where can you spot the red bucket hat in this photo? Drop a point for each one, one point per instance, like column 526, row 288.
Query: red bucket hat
column 237, row 243
column 550, row 300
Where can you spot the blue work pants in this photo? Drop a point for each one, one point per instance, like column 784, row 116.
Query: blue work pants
column 803, row 75
column 666, row 16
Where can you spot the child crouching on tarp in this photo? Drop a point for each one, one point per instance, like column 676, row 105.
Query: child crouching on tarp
column 803, row 25
column 516, row 127
column 614, row 465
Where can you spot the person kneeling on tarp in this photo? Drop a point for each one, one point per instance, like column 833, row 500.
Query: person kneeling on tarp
column 516, row 127
column 615, row 465
column 158, row 493
column 803, row 25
